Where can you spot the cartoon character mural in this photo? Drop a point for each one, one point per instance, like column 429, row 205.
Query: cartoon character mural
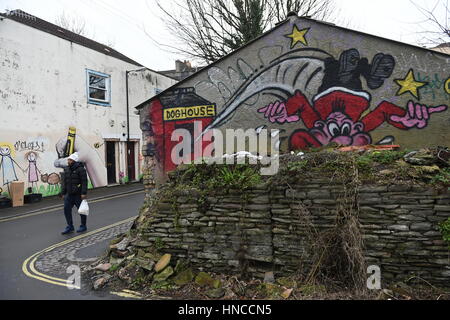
column 316, row 98
column 335, row 115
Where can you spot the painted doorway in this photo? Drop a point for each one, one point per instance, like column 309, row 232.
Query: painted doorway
column 111, row 161
column 131, row 161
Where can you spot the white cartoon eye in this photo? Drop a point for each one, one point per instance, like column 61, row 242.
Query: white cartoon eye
column 334, row 129
column 346, row 129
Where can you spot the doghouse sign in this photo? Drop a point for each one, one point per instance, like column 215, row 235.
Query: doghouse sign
column 181, row 108
column 186, row 113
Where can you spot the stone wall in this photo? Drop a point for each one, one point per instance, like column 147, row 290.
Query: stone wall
column 266, row 228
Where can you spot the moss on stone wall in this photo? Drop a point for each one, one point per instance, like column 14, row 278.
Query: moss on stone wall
column 325, row 215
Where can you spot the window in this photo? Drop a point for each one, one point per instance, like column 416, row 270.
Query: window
column 98, row 88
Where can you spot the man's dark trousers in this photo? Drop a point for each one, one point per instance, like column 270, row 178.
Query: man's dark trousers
column 71, row 200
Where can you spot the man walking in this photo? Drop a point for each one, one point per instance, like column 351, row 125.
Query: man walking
column 74, row 190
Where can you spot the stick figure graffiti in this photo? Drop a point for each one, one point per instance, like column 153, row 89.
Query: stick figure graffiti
column 8, row 164
column 32, row 169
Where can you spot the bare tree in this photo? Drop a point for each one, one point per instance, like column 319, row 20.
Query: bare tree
column 317, row 9
column 75, row 24
column 436, row 27
column 209, row 29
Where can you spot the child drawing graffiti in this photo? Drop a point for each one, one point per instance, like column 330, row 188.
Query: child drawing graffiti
column 33, row 171
column 336, row 114
column 8, row 164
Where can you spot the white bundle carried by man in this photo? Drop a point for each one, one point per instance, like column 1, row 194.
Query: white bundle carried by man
column 84, row 208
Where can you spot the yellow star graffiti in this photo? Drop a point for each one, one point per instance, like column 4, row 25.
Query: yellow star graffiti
column 410, row 84
column 298, row 36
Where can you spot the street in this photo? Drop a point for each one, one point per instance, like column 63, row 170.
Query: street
column 34, row 256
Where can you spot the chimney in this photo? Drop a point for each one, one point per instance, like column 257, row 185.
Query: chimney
column 179, row 65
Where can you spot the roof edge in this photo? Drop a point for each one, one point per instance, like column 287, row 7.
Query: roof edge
column 140, row 106
column 290, row 18
column 65, row 36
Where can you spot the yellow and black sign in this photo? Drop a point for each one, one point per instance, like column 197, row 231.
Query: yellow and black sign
column 186, row 113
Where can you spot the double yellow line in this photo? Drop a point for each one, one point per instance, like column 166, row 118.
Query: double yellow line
column 28, row 266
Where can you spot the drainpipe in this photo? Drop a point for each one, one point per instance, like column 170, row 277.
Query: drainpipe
column 128, row 110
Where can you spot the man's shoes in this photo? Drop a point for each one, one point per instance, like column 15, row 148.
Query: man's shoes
column 381, row 68
column 82, row 229
column 348, row 63
column 68, row 229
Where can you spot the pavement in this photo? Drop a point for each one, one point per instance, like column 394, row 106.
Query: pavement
column 56, row 202
column 35, row 259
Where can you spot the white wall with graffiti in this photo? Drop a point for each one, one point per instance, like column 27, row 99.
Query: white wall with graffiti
column 45, row 89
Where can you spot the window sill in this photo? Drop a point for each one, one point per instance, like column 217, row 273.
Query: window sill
column 103, row 104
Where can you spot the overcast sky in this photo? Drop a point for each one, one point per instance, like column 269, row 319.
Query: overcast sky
column 122, row 22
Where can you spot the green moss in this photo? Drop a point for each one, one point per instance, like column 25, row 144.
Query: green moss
column 444, row 228
column 308, row 290
column 204, row 177
column 385, row 157
column 270, row 290
column 114, row 268
column 443, row 177
column 159, row 244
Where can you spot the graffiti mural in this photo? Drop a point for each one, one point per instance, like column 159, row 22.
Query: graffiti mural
column 32, row 169
column 94, row 164
column 298, row 36
column 410, row 84
column 335, row 116
column 30, row 160
column 316, row 84
column 180, row 109
column 8, row 164
column 36, row 145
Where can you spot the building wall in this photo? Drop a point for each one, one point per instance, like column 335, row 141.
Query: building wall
column 317, row 84
column 43, row 92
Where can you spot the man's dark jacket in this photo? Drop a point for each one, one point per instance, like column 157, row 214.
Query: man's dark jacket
column 74, row 180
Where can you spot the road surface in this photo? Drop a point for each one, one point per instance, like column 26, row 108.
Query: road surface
column 34, row 256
